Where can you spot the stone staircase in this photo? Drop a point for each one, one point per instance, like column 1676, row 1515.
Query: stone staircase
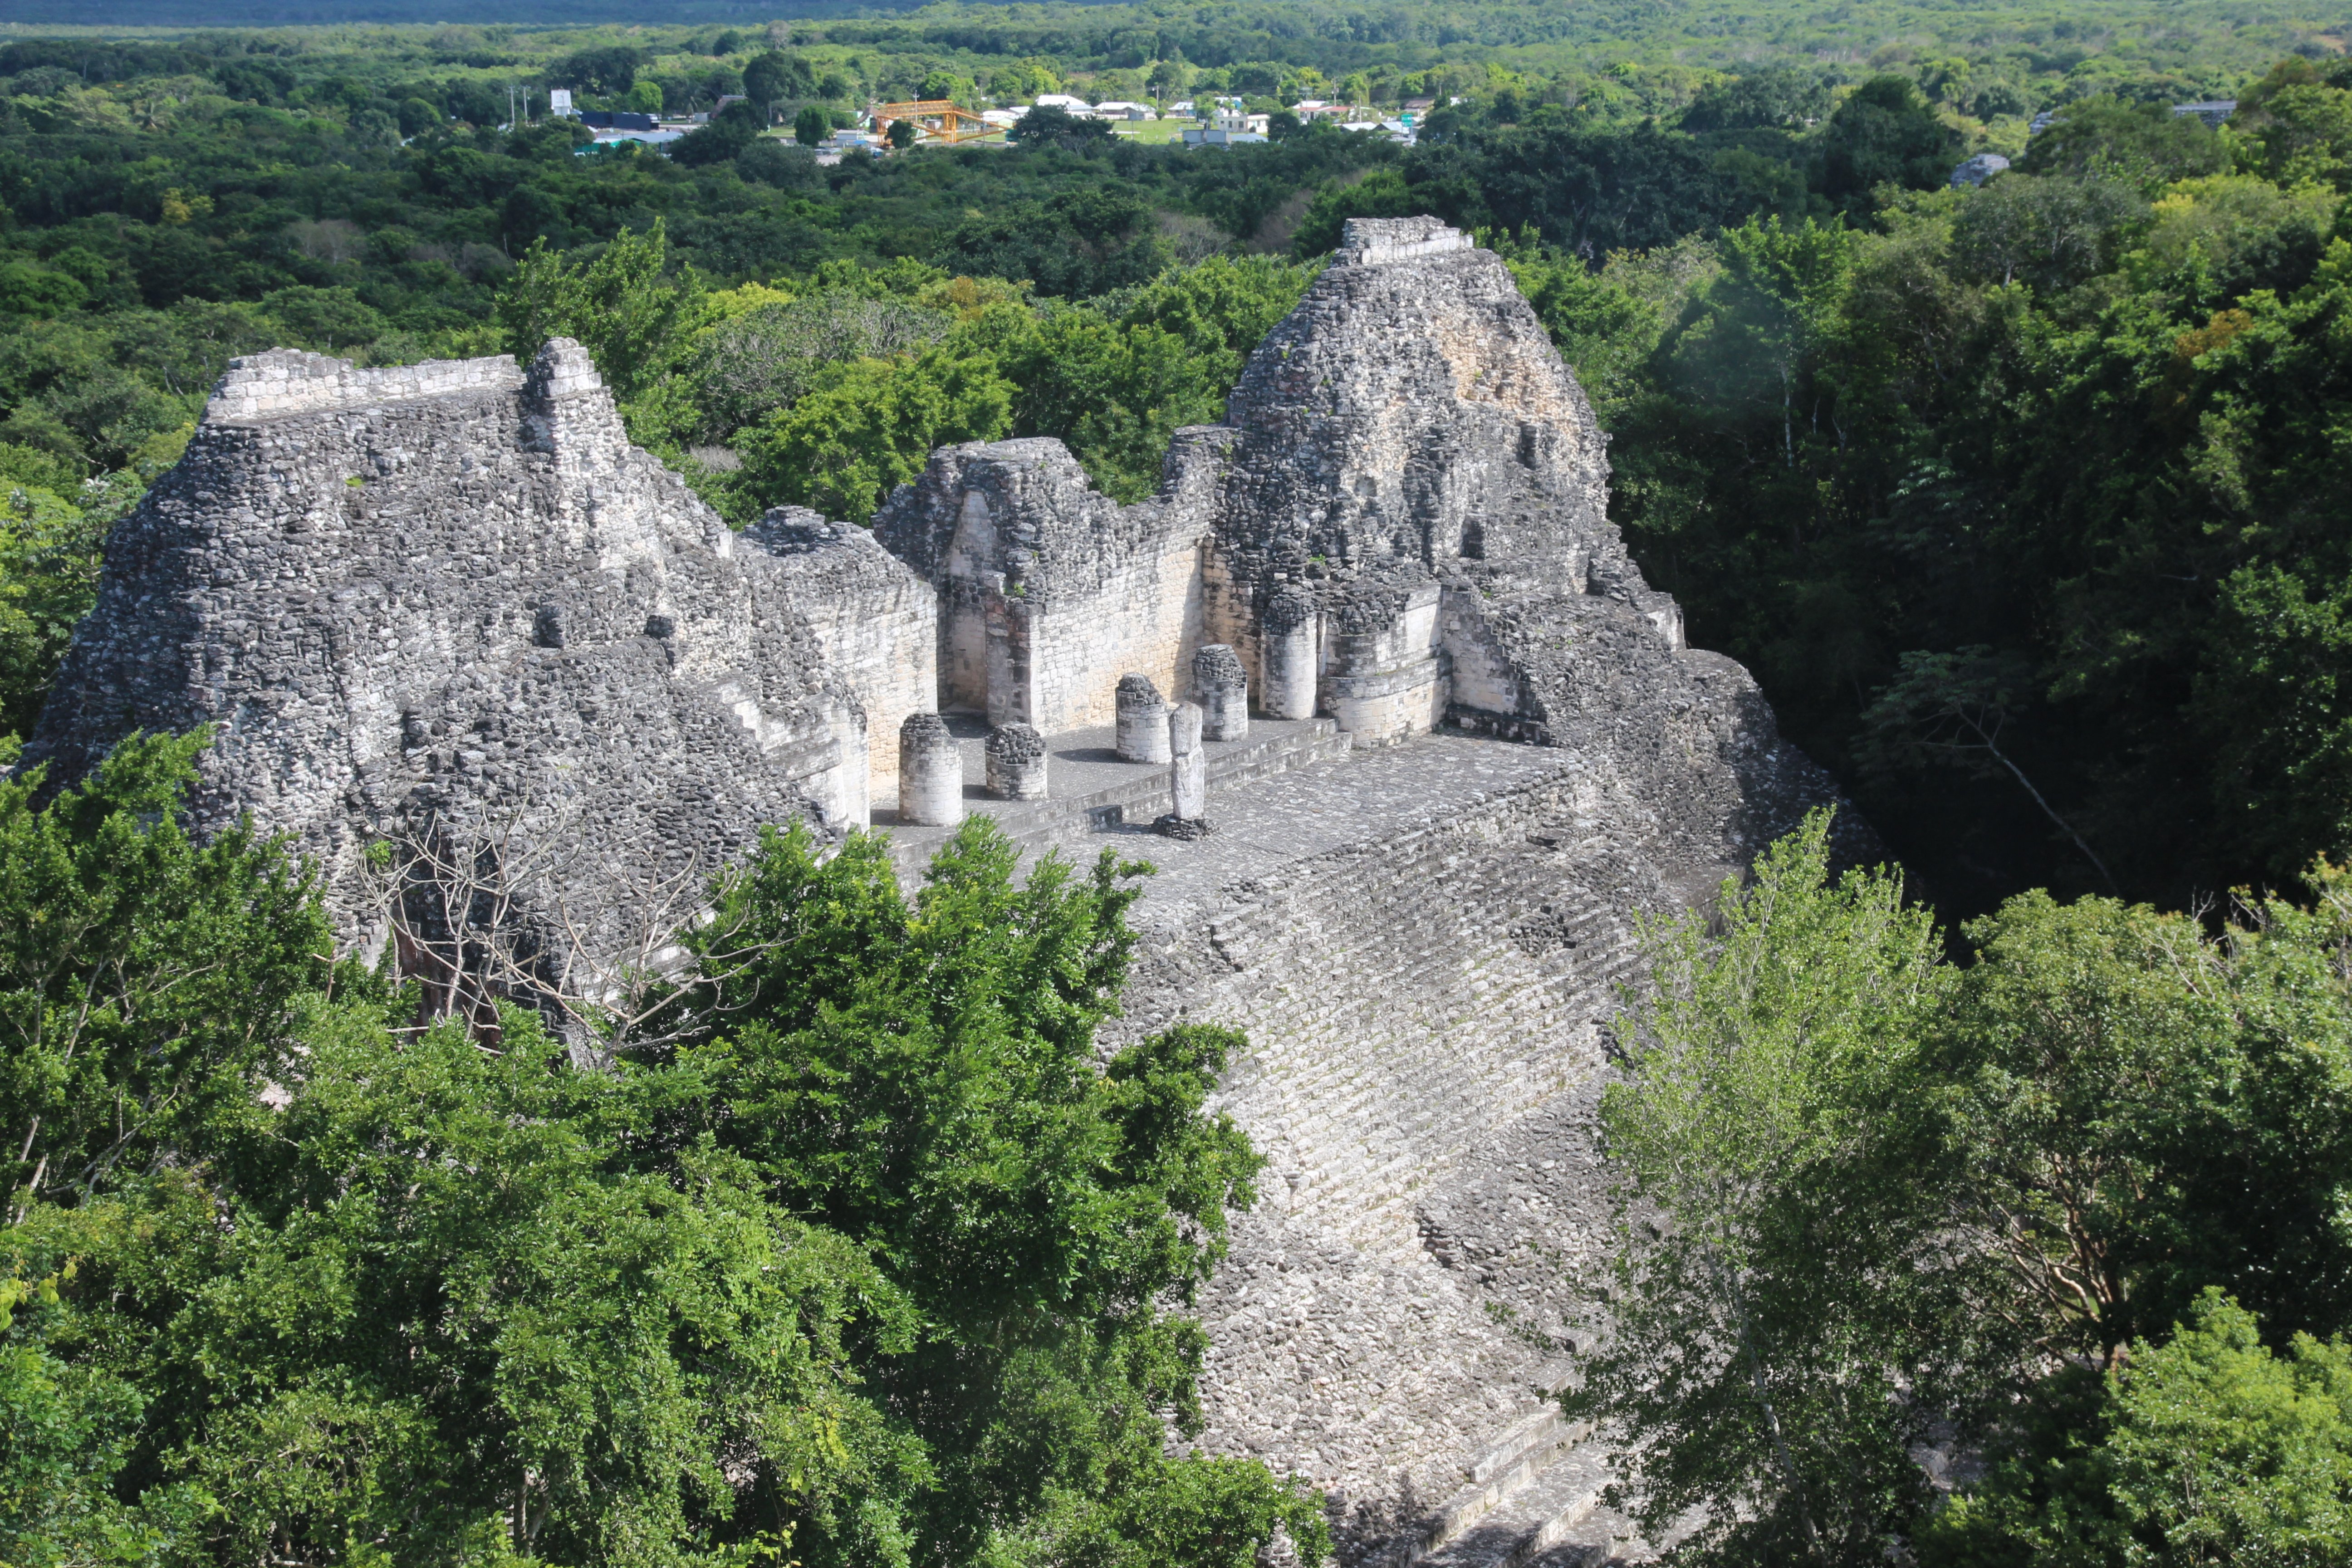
column 1532, row 1498
column 1108, row 794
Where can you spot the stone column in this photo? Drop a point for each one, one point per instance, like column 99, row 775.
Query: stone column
column 1288, row 672
column 1142, row 721
column 1220, row 686
column 931, row 773
column 1016, row 763
column 1188, row 776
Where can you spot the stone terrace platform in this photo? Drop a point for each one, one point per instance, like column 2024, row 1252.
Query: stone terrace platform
column 1291, row 789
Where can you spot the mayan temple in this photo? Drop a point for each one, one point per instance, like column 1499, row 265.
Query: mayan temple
column 1371, row 680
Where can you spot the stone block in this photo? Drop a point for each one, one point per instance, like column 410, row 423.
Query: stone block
column 931, row 773
column 1017, row 763
column 1222, row 688
column 1188, row 766
column 1141, row 734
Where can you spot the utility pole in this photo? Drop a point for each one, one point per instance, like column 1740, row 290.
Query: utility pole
column 511, row 121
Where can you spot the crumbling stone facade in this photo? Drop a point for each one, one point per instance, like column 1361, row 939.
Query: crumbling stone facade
column 455, row 590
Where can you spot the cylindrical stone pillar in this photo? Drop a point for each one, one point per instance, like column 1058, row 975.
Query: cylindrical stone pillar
column 1188, row 766
column 1017, row 763
column 931, row 773
column 1288, row 672
column 1220, row 686
column 1142, row 721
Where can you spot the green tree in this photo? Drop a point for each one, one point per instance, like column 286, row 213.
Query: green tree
column 2205, row 1448
column 2143, row 145
column 1114, row 394
column 1955, row 709
column 1777, row 1298
column 1762, row 322
column 1221, row 310
column 880, row 1264
column 2137, row 1110
column 48, row 578
column 70, row 1428
column 775, row 75
column 439, row 1320
column 812, row 125
column 1050, row 124
column 729, row 131
column 1884, row 134
column 1383, row 193
column 627, row 307
column 867, row 426
column 148, row 983
column 923, row 1078
column 947, row 85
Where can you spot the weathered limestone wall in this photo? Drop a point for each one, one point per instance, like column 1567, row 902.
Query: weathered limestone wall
column 1049, row 591
column 286, row 381
column 1383, row 676
column 877, row 622
column 1407, row 468
column 1142, row 619
column 475, row 600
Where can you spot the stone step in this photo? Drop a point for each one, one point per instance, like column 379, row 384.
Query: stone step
column 1509, row 1464
column 1540, row 1520
column 1534, row 1437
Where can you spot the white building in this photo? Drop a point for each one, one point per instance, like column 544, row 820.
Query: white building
column 1078, row 106
column 559, row 102
column 1119, row 109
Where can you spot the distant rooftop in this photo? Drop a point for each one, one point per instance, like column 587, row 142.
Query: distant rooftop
column 2212, row 110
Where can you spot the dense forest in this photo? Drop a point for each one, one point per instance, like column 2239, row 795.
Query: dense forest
column 2020, row 499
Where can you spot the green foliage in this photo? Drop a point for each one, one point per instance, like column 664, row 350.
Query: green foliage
column 1886, row 134
column 441, row 1321
column 2139, row 145
column 2143, row 1111
column 866, row 427
column 146, row 982
column 625, row 307
column 731, row 131
column 49, row 550
column 1872, row 1199
column 68, row 1429
column 2206, row 1448
column 1077, row 245
column 1772, row 1298
column 922, row 1079
column 877, row 1266
column 1051, row 125
column 1383, row 193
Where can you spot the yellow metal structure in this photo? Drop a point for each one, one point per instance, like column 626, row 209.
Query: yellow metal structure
column 937, row 119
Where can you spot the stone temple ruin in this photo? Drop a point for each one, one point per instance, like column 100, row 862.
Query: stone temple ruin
column 1449, row 744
